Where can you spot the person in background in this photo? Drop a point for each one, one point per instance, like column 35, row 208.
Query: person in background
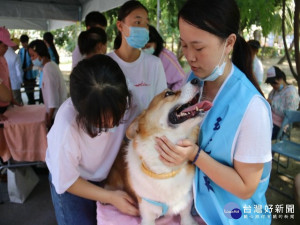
column 258, row 69
column 85, row 140
column 233, row 156
column 15, row 73
column 48, row 39
column 282, row 97
column 5, row 42
column 17, row 42
column 53, row 85
column 174, row 73
column 93, row 19
column 92, row 41
column 29, row 75
column 144, row 72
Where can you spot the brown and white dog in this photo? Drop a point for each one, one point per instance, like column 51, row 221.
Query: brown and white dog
column 160, row 189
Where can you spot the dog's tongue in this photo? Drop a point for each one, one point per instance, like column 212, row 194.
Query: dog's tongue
column 205, row 105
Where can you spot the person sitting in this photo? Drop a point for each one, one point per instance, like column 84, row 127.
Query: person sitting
column 282, row 97
column 92, row 42
column 258, row 69
column 175, row 75
column 53, row 85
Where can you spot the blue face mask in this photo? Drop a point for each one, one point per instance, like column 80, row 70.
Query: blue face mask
column 37, row 62
column 218, row 70
column 138, row 37
column 280, row 87
column 149, row 50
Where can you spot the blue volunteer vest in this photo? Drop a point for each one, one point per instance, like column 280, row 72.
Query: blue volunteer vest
column 214, row 204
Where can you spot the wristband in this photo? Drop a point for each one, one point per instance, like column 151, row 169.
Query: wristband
column 196, row 156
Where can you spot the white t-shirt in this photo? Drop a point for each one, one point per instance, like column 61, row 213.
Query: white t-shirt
column 72, row 153
column 146, row 76
column 76, row 57
column 15, row 68
column 258, row 70
column 253, row 141
column 53, row 87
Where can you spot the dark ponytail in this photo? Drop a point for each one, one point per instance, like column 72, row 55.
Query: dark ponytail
column 242, row 58
column 124, row 11
column 221, row 18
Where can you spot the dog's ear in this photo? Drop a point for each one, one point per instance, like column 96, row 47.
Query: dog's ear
column 133, row 128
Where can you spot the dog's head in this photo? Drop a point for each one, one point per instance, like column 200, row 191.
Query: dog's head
column 171, row 113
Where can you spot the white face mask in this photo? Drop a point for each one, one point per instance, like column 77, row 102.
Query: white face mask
column 218, row 70
column 107, row 130
column 112, row 130
column 149, row 50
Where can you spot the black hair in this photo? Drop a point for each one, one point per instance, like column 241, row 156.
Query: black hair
column 95, row 18
column 154, row 37
column 124, row 11
column 24, row 38
column 87, row 40
column 99, row 93
column 221, row 18
column 40, row 48
column 254, row 44
column 48, row 37
column 279, row 74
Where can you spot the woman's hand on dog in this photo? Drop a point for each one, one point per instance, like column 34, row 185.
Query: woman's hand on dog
column 124, row 203
column 175, row 154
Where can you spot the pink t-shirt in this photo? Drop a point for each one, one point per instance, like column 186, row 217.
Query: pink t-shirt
column 4, row 75
column 175, row 75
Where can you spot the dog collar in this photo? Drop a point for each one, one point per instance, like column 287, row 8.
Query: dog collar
column 158, row 175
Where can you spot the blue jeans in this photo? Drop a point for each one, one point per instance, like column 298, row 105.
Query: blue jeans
column 71, row 209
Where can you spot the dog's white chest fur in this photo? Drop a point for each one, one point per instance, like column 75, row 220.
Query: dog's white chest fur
column 175, row 192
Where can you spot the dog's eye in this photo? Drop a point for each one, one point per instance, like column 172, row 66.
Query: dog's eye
column 168, row 93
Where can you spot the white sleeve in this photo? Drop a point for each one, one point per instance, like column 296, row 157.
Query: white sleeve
column 62, row 159
column 254, row 140
column 51, row 87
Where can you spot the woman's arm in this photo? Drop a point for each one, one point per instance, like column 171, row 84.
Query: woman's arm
column 5, row 93
column 120, row 199
column 241, row 180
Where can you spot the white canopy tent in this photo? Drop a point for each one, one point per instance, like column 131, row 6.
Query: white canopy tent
column 49, row 14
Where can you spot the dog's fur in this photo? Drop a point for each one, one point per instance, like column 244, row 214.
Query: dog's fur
column 175, row 191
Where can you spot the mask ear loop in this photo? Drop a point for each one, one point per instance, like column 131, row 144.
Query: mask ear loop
column 128, row 29
column 222, row 53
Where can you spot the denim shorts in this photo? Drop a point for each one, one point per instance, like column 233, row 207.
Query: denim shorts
column 71, row 209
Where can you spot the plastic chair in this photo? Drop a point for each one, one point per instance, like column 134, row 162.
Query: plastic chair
column 284, row 146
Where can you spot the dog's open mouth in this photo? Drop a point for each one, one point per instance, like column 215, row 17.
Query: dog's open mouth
column 188, row 110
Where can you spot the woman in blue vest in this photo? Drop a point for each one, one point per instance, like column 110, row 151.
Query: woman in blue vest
column 233, row 155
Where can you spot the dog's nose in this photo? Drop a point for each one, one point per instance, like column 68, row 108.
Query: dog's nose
column 195, row 81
